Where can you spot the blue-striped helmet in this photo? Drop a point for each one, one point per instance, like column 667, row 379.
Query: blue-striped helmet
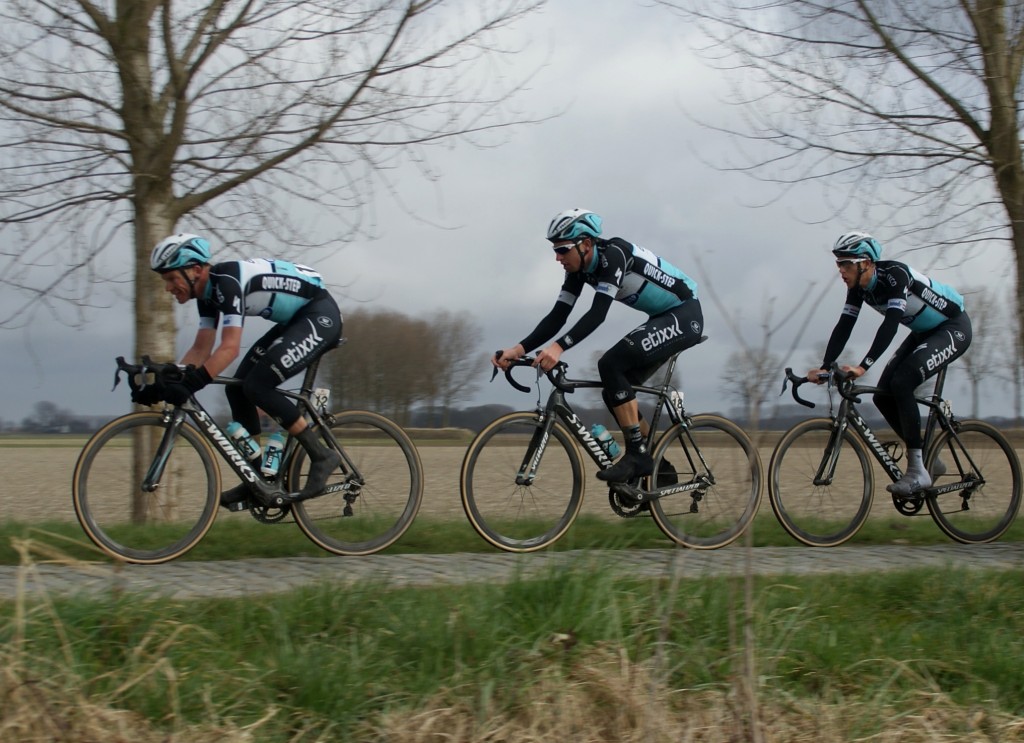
column 178, row 251
column 573, row 224
column 857, row 245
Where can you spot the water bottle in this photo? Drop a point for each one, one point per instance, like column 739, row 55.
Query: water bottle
column 272, row 455
column 606, row 440
column 245, row 443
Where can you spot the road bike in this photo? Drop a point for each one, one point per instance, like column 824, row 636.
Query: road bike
column 821, row 482
column 147, row 485
column 522, row 480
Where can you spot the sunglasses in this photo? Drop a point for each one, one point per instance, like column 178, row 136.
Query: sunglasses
column 563, row 249
column 846, row 262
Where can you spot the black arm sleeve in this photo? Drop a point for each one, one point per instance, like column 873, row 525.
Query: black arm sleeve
column 837, row 341
column 547, row 327
column 886, row 332
column 590, row 321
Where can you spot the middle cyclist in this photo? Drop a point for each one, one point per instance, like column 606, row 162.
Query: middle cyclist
column 618, row 270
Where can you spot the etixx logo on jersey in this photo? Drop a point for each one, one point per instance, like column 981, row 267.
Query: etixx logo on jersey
column 659, row 335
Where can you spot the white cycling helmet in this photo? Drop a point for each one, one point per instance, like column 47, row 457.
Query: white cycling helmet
column 857, row 244
column 574, row 223
column 179, row 251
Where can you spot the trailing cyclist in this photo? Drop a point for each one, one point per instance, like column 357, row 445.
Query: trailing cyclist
column 618, row 270
column 307, row 324
column 940, row 332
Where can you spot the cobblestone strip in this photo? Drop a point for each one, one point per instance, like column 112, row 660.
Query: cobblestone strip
column 257, row 576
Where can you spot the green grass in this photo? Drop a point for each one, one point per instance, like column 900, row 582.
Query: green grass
column 237, row 536
column 330, row 661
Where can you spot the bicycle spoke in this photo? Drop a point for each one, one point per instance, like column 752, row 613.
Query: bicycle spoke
column 822, row 514
column 119, row 515
column 378, row 501
column 720, row 457
column 528, row 516
column 983, row 512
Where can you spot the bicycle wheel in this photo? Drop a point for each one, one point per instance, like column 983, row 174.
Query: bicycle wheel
column 524, row 516
column 985, row 511
column 374, row 512
column 720, row 451
column 124, row 520
column 826, row 514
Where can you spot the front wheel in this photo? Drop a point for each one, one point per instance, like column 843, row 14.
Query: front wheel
column 978, row 454
column 381, row 481
column 522, row 490
column 717, row 454
column 820, row 488
column 141, row 524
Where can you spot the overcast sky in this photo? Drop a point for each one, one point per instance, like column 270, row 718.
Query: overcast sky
column 625, row 148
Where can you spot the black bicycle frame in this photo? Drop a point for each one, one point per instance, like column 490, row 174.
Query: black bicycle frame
column 558, row 408
column 848, row 416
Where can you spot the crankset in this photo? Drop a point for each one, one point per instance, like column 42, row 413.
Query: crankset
column 269, row 514
column 624, row 505
column 908, row 505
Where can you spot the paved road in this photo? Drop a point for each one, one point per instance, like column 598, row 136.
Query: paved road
column 246, row 577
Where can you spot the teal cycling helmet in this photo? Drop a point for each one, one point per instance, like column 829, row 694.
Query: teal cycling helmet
column 179, row 251
column 574, row 224
column 857, row 245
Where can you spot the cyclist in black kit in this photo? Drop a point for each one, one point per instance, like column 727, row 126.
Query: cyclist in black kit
column 940, row 332
column 307, row 323
column 618, row 270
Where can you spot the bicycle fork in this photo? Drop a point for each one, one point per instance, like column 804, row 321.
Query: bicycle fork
column 163, row 450
column 534, row 452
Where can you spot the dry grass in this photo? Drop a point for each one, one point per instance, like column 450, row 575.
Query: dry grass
column 607, row 698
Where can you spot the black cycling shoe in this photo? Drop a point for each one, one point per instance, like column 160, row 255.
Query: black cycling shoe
column 236, row 499
column 631, row 467
column 319, row 471
column 667, row 475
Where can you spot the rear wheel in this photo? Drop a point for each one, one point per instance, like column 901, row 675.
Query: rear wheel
column 718, row 453
column 381, row 481
column 981, row 455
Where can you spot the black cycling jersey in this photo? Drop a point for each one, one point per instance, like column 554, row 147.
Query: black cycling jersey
column 905, row 297
column 618, row 271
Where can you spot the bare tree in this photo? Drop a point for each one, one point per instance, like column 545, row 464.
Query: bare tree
column 981, row 361
column 873, row 98
column 230, row 112
column 385, row 364
column 1010, row 369
column 754, row 369
column 457, row 371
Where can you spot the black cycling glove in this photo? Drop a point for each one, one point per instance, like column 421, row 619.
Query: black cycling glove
column 192, row 380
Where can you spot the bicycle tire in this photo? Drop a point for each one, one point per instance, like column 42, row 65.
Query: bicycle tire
column 128, row 523
column 521, row 517
column 382, row 508
column 718, row 515
column 820, row 515
column 992, row 507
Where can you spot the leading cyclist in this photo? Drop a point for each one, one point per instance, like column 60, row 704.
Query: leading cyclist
column 307, row 323
column 618, row 270
column 940, row 332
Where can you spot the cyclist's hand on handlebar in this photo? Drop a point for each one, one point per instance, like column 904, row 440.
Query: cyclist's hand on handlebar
column 548, row 357
column 506, row 356
column 817, row 375
column 854, row 371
